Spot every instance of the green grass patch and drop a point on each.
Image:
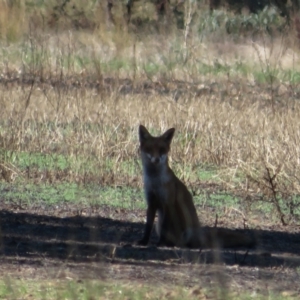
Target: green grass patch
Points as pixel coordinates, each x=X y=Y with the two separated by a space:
x=26 y=191
x=91 y=289
x=31 y=191
x=55 y=194
x=218 y=200
x=79 y=164
x=41 y=161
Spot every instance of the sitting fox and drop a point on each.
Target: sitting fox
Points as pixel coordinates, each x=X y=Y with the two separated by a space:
x=178 y=223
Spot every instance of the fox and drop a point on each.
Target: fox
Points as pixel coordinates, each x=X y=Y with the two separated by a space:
x=168 y=197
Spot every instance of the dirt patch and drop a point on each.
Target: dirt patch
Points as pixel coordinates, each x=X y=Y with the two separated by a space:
x=98 y=243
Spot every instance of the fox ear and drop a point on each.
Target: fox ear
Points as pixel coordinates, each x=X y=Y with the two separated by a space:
x=143 y=133
x=168 y=135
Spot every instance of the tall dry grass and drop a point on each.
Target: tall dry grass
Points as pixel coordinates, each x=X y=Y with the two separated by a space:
x=13 y=20
x=82 y=94
x=254 y=146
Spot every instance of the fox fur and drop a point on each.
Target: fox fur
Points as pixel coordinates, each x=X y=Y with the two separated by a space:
x=178 y=224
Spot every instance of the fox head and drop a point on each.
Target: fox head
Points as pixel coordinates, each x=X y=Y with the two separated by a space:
x=154 y=150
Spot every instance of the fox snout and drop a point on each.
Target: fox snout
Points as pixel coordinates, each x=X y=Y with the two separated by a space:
x=154 y=159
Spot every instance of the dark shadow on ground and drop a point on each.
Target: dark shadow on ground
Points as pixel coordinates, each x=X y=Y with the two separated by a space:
x=93 y=239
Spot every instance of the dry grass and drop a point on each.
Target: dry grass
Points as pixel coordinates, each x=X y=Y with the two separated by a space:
x=13 y=20
x=249 y=136
x=82 y=95
x=77 y=97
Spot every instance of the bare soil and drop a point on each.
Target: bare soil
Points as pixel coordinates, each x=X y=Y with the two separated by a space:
x=70 y=241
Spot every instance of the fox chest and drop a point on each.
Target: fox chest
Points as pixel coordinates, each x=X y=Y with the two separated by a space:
x=157 y=188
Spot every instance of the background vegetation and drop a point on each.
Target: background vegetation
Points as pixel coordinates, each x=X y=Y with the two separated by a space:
x=75 y=86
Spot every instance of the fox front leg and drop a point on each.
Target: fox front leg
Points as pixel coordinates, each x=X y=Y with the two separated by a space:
x=151 y=210
x=164 y=230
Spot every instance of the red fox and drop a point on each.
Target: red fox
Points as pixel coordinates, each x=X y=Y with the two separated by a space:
x=178 y=223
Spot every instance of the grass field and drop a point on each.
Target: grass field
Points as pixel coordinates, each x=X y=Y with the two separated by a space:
x=73 y=90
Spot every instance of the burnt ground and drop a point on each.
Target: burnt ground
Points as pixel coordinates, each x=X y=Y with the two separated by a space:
x=98 y=243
